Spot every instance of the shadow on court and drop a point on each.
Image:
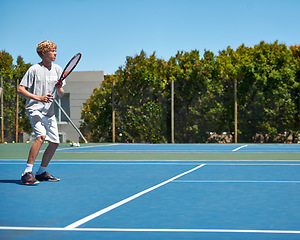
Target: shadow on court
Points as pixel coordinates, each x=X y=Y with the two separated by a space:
x=18 y=182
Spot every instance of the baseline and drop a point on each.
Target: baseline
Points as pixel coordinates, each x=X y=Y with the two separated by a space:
x=150 y=230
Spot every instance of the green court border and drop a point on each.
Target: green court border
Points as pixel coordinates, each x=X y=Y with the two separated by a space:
x=19 y=151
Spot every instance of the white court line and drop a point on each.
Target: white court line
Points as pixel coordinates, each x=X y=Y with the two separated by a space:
x=81 y=147
x=107 y=209
x=254 y=164
x=99 y=163
x=110 y=162
x=234 y=150
x=195 y=161
x=231 y=181
x=150 y=230
x=155 y=162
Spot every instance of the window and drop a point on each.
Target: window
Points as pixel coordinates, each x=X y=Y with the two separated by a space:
x=64 y=102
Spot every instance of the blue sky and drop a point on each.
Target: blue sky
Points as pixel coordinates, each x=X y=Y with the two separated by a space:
x=106 y=31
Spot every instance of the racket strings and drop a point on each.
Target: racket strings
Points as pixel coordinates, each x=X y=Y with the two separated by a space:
x=72 y=64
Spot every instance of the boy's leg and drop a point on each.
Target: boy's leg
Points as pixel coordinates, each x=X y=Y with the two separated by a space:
x=42 y=175
x=35 y=148
x=50 y=126
x=53 y=138
x=48 y=154
x=27 y=176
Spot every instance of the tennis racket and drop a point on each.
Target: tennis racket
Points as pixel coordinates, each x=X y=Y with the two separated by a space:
x=69 y=68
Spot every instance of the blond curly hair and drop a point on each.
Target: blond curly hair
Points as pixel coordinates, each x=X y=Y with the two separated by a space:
x=45 y=46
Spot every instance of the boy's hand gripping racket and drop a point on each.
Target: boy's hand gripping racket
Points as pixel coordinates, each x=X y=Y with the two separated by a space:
x=69 y=68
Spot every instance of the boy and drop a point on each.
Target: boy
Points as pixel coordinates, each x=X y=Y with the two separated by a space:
x=37 y=86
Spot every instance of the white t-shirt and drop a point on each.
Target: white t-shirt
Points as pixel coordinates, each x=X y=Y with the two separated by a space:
x=40 y=81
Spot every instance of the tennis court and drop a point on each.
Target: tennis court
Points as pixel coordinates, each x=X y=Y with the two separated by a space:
x=188 y=148
x=186 y=191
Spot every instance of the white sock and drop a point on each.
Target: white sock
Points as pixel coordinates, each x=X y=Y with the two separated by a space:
x=28 y=168
x=41 y=170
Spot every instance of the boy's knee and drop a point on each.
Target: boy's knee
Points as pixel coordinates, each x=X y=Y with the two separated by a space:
x=41 y=138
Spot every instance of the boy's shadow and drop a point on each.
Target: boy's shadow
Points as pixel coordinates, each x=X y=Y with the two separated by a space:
x=18 y=182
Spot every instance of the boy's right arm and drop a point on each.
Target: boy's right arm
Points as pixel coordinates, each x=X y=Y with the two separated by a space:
x=22 y=91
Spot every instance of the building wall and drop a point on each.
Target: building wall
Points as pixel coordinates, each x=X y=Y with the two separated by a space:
x=80 y=85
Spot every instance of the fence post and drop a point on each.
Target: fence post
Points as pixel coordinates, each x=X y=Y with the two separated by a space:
x=172 y=111
x=2 y=120
x=113 y=112
x=17 y=115
x=235 y=110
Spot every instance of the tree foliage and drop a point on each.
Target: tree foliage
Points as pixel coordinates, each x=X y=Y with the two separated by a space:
x=266 y=77
x=97 y=112
x=10 y=73
x=268 y=96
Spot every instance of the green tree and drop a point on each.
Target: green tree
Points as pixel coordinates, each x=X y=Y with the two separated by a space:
x=296 y=94
x=268 y=96
x=266 y=79
x=20 y=69
x=10 y=73
x=97 y=112
x=138 y=94
x=197 y=94
x=296 y=54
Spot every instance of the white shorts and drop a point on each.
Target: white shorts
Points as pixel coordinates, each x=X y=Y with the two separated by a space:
x=44 y=126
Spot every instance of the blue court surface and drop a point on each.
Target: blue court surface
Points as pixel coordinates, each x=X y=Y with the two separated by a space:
x=125 y=200
x=188 y=148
